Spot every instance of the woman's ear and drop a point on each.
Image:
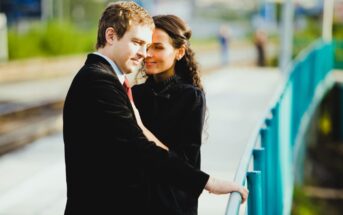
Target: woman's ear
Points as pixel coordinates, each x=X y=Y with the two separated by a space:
x=111 y=35
x=180 y=53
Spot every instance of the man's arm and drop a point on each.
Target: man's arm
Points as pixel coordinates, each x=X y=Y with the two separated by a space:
x=110 y=100
x=150 y=136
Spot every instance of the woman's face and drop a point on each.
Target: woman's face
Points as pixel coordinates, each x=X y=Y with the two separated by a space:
x=161 y=54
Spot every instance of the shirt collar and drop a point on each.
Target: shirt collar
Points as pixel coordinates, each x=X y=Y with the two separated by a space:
x=120 y=75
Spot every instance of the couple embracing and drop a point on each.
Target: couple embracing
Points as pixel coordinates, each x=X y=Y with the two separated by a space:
x=137 y=151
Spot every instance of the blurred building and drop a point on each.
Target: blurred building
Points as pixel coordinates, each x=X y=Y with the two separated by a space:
x=234 y=4
x=182 y=8
x=16 y=10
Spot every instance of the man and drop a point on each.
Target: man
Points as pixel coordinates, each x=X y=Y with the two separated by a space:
x=106 y=152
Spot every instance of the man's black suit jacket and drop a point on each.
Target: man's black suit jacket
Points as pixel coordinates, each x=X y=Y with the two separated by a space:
x=106 y=154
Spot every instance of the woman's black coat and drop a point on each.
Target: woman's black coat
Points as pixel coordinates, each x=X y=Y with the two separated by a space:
x=174 y=111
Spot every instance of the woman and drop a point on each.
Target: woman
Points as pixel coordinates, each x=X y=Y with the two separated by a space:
x=171 y=104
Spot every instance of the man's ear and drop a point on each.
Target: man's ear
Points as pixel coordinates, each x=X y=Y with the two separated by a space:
x=111 y=35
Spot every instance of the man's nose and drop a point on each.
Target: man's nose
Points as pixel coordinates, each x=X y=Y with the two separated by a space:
x=142 y=51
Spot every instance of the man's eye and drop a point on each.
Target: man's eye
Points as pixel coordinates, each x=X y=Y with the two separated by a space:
x=136 y=42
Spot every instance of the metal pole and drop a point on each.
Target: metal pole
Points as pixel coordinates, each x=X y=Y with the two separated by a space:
x=255 y=193
x=60 y=8
x=259 y=165
x=47 y=9
x=327 y=20
x=286 y=35
x=193 y=9
x=3 y=38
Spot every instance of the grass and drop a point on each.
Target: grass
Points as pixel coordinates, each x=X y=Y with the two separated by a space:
x=49 y=39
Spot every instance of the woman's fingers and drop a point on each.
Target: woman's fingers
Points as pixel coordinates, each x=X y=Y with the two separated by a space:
x=244 y=193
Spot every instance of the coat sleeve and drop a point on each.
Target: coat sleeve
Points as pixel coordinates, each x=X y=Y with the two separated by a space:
x=111 y=101
x=192 y=128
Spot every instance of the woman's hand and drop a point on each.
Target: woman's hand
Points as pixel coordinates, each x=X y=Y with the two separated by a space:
x=219 y=187
x=137 y=115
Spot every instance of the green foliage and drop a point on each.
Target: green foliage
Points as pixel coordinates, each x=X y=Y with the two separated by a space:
x=337 y=29
x=223 y=12
x=303 y=205
x=49 y=39
x=203 y=42
x=25 y=45
x=306 y=36
x=339 y=54
x=338 y=35
x=312 y=32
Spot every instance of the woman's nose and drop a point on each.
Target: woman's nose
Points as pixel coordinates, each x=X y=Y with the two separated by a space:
x=148 y=53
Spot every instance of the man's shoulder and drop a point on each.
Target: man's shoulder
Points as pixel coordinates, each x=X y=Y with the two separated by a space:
x=96 y=71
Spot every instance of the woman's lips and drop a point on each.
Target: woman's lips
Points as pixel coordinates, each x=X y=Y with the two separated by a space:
x=149 y=63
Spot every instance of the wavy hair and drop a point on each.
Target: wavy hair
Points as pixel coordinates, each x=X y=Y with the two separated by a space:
x=187 y=67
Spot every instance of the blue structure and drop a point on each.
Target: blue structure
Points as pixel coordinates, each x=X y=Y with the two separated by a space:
x=20 y=9
x=276 y=148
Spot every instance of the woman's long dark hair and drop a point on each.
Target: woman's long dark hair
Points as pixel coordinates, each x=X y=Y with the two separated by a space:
x=187 y=68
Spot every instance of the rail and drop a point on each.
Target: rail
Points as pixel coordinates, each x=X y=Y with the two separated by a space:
x=275 y=151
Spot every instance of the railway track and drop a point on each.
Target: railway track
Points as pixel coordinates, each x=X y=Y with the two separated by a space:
x=20 y=124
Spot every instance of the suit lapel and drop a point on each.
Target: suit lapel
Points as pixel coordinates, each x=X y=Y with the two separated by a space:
x=98 y=60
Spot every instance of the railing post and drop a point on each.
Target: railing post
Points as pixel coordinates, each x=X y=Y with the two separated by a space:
x=266 y=143
x=255 y=193
x=259 y=165
x=277 y=161
x=270 y=141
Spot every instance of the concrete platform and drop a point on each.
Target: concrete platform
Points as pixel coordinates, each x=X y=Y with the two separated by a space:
x=237 y=99
x=32 y=179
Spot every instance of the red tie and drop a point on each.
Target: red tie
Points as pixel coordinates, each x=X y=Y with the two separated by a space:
x=128 y=89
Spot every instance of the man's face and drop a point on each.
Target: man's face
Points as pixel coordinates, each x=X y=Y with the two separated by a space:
x=130 y=51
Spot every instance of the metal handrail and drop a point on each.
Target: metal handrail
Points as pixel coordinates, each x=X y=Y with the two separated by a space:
x=303 y=58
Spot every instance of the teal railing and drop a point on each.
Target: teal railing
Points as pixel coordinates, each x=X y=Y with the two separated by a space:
x=274 y=155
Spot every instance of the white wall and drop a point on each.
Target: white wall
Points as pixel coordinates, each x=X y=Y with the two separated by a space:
x=3 y=38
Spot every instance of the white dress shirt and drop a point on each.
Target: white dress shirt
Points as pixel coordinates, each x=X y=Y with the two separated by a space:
x=120 y=74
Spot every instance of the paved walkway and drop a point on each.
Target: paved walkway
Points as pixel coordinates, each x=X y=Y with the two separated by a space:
x=237 y=99
x=32 y=180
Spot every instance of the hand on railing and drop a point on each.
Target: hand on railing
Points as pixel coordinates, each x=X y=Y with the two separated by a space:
x=218 y=187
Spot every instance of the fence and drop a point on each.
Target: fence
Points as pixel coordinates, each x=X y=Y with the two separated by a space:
x=274 y=155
